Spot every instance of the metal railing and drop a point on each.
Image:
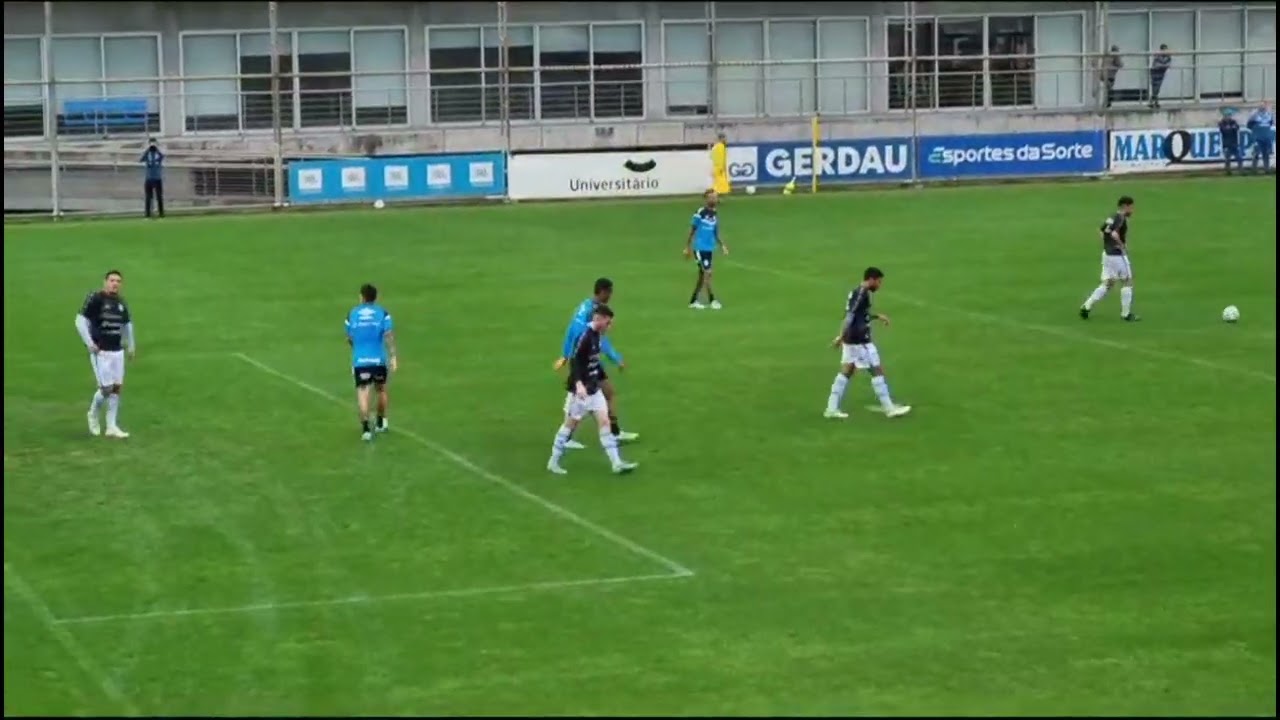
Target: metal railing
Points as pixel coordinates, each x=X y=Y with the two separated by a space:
x=728 y=90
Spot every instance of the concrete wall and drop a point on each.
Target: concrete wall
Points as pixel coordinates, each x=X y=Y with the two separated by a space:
x=171 y=18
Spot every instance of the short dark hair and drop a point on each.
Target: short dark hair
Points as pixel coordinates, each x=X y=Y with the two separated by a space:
x=117 y=273
x=603 y=284
x=1124 y=201
x=604 y=310
x=872 y=273
x=368 y=292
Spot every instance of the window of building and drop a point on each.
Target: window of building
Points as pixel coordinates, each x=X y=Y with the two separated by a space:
x=960 y=47
x=739 y=71
x=843 y=82
x=1260 y=63
x=521 y=93
x=344 y=78
x=23 y=88
x=457 y=82
x=617 y=51
x=912 y=64
x=381 y=94
x=791 y=78
x=1220 y=60
x=1177 y=29
x=686 y=75
x=1060 y=71
x=554 y=71
x=564 y=56
x=113 y=70
x=1011 y=43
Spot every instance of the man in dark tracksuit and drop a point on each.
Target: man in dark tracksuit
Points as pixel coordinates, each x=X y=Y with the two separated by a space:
x=153 y=188
x=1230 y=130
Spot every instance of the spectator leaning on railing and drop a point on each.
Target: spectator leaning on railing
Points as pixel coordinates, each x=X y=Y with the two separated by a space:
x=153 y=187
x=1159 y=66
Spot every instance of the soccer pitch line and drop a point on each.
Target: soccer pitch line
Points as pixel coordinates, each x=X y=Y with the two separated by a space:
x=1043 y=329
x=67 y=640
x=363 y=599
x=673 y=567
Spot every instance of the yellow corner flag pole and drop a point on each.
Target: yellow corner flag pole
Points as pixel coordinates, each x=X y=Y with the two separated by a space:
x=817 y=138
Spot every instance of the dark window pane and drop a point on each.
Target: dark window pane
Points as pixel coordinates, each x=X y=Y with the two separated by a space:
x=324 y=100
x=457 y=93
x=900 y=65
x=520 y=78
x=565 y=93
x=23 y=120
x=1012 y=75
x=959 y=50
x=255 y=93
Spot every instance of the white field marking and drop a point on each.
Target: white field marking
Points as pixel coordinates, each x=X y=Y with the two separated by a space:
x=674 y=567
x=1043 y=329
x=68 y=641
x=365 y=599
x=144 y=356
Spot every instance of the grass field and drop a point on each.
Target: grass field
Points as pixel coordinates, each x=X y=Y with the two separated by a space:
x=1077 y=518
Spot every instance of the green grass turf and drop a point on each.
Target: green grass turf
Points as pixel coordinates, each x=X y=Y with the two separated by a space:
x=1078 y=517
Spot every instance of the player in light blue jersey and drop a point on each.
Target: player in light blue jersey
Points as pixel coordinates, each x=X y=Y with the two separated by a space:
x=704 y=238
x=602 y=292
x=373 y=354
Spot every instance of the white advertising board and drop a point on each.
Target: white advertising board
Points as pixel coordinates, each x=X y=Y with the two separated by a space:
x=609 y=174
x=1170 y=150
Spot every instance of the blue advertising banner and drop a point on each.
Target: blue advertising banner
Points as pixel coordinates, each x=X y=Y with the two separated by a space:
x=1012 y=155
x=875 y=160
x=421 y=177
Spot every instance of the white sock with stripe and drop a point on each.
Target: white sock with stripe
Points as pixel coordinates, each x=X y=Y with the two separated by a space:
x=557 y=446
x=610 y=443
x=837 y=391
x=881 y=386
x=1099 y=293
x=1126 y=300
x=96 y=404
x=113 y=409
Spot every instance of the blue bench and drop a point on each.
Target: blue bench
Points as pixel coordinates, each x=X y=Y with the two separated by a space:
x=105 y=113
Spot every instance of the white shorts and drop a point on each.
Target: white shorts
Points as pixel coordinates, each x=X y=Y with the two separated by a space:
x=1116 y=267
x=860 y=356
x=108 y=367
x=577 y=408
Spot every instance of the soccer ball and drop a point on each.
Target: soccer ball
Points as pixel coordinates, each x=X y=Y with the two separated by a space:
x=1231 y=313
x=378 y=204
x=751 y=189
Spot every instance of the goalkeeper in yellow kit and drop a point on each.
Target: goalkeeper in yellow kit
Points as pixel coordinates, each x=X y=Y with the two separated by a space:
x=719 y=167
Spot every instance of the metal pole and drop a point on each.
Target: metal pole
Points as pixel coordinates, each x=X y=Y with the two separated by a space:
x=1096 y=62
x=51 y=111
x=713 y=57
x=504 y=78
x=910 y=11
x=277 y=165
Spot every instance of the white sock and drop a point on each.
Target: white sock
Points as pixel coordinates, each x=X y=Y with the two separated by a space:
x=837 y=391
x=96 y=404
x=1126 y=300
x=881 y=386
x=113 y=409
x=1098 y=293
x=610 y=443
x=557 y=447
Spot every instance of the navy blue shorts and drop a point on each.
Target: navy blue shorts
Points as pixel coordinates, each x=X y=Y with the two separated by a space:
x=370 y=375
x=703 y=258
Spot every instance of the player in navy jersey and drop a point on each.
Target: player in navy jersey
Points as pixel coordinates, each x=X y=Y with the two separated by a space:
x=858 y=352
x=704 y=238
x=585 y=396
x=601 y=293
x=106 y=329
x=1115 y=262
x=373 y=354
